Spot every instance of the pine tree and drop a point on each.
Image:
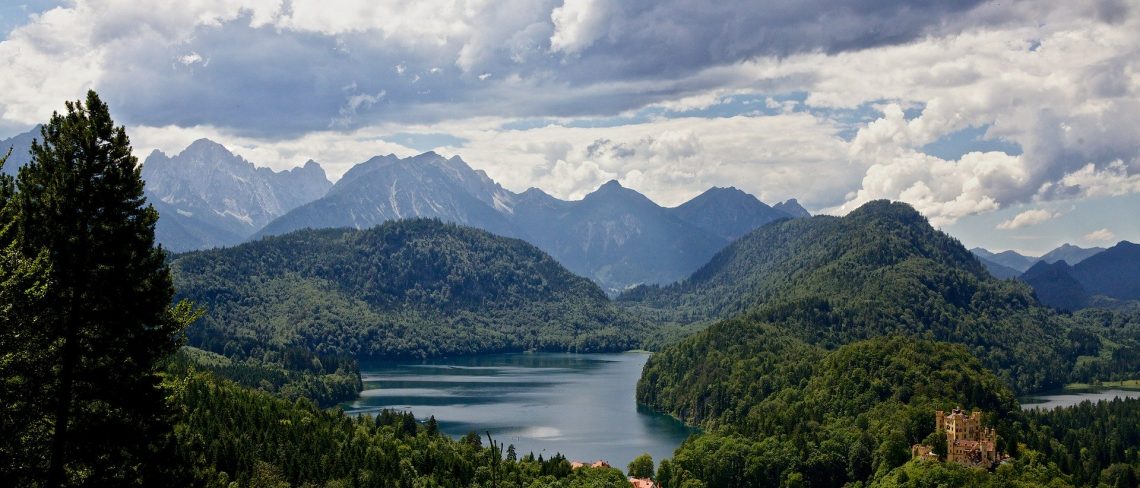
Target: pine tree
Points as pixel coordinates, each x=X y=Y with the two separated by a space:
x=23 y=349
x=104 y=311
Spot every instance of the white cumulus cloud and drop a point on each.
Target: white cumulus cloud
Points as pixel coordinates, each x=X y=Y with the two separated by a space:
x=1027 y=218
x=1100 y=236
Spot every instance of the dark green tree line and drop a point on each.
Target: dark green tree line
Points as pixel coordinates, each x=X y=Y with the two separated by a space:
x=87 y=310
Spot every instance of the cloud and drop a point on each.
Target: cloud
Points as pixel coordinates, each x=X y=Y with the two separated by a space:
x=192 y=58
x=1071 y=129
x=577 y=24
x=1100 y=236
x=598 y=57
x=670 y=160
x=1113 y=179
x=846 y=102
x=1027 y=218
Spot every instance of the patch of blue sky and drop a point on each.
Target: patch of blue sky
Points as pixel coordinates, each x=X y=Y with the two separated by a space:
x=849 y=120
x=15 y=13
x=730 y=106
x=584 y=123
x=956 y=144
x=1074 y=219
x=425 y=142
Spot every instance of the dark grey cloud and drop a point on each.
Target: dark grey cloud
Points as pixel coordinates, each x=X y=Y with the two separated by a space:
x=275 y=81
x=650 y=38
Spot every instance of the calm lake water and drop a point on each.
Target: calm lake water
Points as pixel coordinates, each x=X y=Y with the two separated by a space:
x=581 y=405
x=1069 y=399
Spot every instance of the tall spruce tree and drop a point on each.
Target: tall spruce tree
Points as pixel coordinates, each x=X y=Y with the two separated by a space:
x=78 y=224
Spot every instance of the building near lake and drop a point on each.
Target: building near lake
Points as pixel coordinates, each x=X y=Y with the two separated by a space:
x=642 y=483
x=968 y=442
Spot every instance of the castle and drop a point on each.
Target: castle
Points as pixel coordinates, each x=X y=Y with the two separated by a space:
x=967 y=442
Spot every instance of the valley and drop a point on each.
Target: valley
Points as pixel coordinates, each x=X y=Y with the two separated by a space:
x=415 y=321
x=579 y=405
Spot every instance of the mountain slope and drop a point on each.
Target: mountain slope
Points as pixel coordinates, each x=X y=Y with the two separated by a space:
x=208 y=197
x=880 y=270
x=20 y=145
x=616 y=236
x=1055 y=285
x=727 y=212
x=998 y=271
x=1070 y=254
x=387 y=188
x=1009 y=259
x=792 y=207
x=1103 y=279
x=1115 y=272
x=412 y=288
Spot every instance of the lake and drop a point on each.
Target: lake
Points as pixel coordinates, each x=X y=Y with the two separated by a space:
x=581 y=405
x=1069 y=399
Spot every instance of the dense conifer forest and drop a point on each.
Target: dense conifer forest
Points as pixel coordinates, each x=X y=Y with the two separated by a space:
x=883 y=270
x=848 y=333
x=297 y=310
x=229 y=434
x=832 y=342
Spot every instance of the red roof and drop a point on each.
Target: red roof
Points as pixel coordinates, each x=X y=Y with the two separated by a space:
x=642 y=483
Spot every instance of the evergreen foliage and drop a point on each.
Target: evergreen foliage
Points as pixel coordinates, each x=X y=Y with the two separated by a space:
x=405 y=289
x=849 y=333
x=87 y=311
x=641 y=466
x=792 y=410
x=1096 y=443
x=229 y=434
x=880 y=270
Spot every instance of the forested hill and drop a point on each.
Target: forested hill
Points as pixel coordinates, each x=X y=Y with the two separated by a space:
x=880 y=270
x=794 y=257
x=851 y=331
x=414 y=288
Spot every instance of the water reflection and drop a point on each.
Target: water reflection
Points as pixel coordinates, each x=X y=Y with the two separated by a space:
x=1068 y=399
x=581 y=405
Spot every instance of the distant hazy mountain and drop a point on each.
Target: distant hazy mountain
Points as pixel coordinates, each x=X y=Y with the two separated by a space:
x=1009 y=259
x=388 y=188
x=207 y=196
x=793 y=208
x=999 y=264
x=997 y=270
x=20 y=144
x=1055 y=285
x=730 y=213
x=615 y=236
x=618 y=237
x=1113 y=273
x=1070 y=254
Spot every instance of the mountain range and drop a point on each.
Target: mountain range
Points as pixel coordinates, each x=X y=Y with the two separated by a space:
x=209 y=197
x=1010 y=264
x=881 y=270
x=614 y=235
x=20 y=145
x=1105 y=278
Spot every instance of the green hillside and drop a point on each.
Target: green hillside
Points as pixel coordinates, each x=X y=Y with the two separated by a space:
x=881 y=270
x=845 y=335
x=316 y=300
x=227 y=436
x=790 y=414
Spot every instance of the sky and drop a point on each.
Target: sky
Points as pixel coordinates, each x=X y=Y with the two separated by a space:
x=1009 y=124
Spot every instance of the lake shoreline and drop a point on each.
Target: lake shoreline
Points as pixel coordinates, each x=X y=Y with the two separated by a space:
x=581 y=405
